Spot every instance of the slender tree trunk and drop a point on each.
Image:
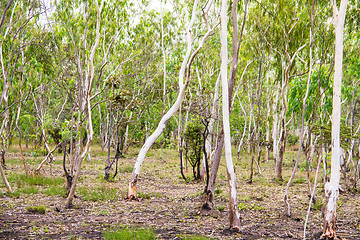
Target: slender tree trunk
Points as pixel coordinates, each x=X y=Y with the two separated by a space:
x=244 y=130
x=7 y=185
x=209 y=200
x=107 y=168
x=275 y=128
x=332 y=187
x=4 y=13
x=234 y=215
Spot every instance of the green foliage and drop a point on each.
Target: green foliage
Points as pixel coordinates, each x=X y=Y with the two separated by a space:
x=36 y=209
x=129 y=234
x=346 y=134
x=317 y=205
x=193 y=143
x=292 y=139
x=221 y=208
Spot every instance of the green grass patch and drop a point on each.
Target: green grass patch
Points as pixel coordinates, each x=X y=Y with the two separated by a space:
x=245 y=206
x=21 y=179
x=149 y=195
x=299 y=180
x=129 y=234
x=55 y=190
x=36 y=209
x=101 y=193
x=26 y=190
x=125 y=169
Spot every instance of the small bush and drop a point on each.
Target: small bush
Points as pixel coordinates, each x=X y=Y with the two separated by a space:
x=37 y=209
x=292 y=139
x=129 y=234
x=218 y=191
x=317 y=205
x=221 y=208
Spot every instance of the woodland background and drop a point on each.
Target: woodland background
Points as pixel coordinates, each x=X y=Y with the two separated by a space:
x=85 y=83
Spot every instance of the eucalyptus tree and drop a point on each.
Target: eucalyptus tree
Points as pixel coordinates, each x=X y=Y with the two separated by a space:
x=79 y=29
x=19 y=31
x=233 y=207
x=185 y=71
x=332 y=187
x=288 y=25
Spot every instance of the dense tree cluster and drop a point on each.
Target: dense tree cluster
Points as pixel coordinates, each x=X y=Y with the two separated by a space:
x=124 y=73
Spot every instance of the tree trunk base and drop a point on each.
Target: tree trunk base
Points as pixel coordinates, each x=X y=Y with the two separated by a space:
x=209 y=201
x=132 y=195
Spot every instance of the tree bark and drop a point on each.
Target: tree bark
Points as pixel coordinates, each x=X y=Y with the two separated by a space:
x=332 y=187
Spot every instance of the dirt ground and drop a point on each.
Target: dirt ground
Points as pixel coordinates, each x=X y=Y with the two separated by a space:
x=167 y=203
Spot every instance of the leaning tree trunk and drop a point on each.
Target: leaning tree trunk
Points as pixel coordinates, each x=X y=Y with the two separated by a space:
x=186 y=65
x=332 y=187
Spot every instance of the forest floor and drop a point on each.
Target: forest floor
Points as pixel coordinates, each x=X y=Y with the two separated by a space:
x=167 y=204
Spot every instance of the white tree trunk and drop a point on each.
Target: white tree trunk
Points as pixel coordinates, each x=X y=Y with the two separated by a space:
x=275 y=129
x=332 y=187
x=234 y=215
